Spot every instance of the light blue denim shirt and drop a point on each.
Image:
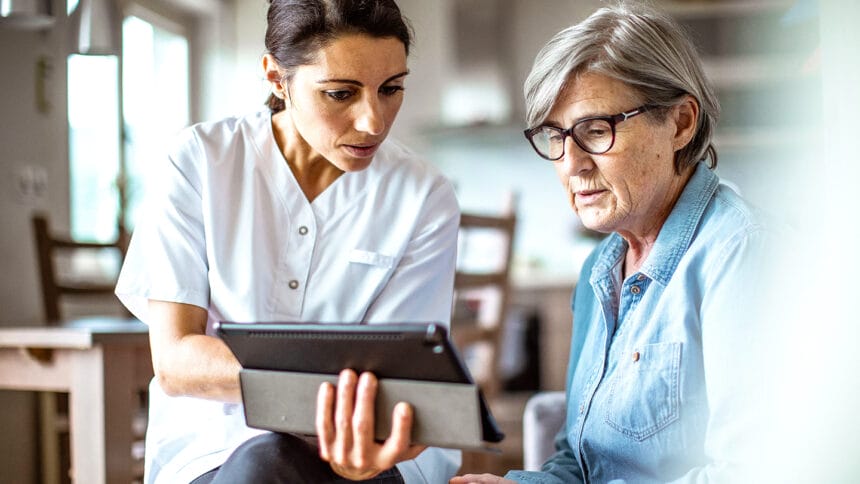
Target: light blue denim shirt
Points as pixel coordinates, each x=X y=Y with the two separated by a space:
x=659 y=362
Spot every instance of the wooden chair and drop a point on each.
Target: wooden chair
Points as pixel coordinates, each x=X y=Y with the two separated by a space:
x=57 y=257
x=50 y=248
x=481 y=292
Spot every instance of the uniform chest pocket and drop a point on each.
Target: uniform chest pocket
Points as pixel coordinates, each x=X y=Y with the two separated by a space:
x=368 y=258
x=644 y=395
x=368 y=272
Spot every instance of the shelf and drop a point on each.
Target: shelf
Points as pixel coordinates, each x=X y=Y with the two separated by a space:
x=27 y=22
x=739 y=71
x=722 y=8
x=744 y=139
x=501 y=136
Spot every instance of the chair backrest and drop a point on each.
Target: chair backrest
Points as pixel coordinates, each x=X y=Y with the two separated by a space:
x=481 y=292
x=57 y=284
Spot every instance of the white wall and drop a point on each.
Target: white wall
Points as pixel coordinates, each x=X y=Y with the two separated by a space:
x=429 y=66
x=29 y=139
x=819 y=397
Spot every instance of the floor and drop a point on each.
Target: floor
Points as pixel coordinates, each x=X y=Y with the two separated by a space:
x=507 y=408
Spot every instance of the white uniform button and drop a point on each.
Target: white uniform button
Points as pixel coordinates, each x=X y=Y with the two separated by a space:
x=294 y=284
x=303 y=230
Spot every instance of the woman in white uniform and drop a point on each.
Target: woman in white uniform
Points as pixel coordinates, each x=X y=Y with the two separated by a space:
x=303 y=212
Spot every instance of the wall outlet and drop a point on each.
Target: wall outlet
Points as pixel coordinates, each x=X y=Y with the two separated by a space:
x=30 y=184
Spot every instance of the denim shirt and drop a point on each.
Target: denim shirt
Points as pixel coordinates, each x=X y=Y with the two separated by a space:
x=658 y=361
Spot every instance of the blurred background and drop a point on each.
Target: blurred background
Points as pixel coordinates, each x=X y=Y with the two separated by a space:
x=82 y=122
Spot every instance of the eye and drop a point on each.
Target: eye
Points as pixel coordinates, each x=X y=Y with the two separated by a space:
x=594 y=129
x=391 y=90
x=338 y=94
x=557 y=137
x=552 y=135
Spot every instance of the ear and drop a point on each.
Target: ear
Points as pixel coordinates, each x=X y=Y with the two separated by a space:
x=273 y=75
x=685 y=116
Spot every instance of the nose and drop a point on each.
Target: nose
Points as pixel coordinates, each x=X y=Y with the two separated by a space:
x=575 y=161
x=369 y=118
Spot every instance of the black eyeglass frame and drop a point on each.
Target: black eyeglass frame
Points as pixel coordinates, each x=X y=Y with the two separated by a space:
x=612 y=120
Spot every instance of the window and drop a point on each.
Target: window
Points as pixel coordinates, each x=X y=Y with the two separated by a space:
x=155 y=71
x=155 y=100
x=93 y=146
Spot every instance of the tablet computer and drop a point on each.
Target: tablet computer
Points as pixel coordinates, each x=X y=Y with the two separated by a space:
x=407 y=351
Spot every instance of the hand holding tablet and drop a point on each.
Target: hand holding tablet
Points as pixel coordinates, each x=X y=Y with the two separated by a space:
x=285 y=363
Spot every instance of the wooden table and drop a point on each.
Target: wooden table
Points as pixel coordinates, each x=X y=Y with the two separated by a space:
x=101 y=363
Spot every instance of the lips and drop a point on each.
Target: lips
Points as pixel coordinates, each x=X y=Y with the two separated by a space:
x=586 y=193
x=362 y=150
x=588 y=196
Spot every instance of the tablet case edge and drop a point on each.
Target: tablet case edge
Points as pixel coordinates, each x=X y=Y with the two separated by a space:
x=444 y=412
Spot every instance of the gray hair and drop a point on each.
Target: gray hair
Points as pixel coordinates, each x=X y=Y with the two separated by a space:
x=640 y=47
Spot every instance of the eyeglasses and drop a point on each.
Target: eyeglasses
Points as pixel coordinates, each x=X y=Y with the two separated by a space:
x=594 y=135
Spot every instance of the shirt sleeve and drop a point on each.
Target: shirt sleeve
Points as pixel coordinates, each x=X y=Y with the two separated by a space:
x=734 y=326
x=560 y=468
x=421 y=288
x=166 y=259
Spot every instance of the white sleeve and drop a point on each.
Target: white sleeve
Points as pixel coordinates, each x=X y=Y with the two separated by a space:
x=166 y=259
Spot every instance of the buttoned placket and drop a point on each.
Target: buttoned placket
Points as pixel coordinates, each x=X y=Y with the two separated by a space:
x=294 y=266
x=605 y=292
x=302 y=231
x=631 y=293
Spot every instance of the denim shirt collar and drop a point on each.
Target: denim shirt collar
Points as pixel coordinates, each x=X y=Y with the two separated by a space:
x=675 y=235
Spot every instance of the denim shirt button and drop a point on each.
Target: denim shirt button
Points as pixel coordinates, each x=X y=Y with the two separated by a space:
x=635 y=356
x=635 y=290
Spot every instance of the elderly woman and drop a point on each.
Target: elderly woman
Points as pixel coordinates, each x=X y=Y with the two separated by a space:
x=621 y=106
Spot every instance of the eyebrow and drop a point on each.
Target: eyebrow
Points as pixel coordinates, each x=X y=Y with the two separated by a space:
x=357 y=83
x=553 y=124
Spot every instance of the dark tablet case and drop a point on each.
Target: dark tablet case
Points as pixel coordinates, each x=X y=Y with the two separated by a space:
x=408 y=351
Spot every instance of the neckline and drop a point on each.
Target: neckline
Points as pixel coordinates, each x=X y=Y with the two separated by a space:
x=281 y=160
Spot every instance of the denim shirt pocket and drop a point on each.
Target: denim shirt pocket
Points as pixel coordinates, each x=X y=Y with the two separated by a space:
x=644 y=395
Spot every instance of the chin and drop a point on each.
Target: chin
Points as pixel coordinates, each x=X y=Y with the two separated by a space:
x=594 y=224
x=352 y=165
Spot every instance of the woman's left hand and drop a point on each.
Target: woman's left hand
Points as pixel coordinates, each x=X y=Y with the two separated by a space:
x=345 y=426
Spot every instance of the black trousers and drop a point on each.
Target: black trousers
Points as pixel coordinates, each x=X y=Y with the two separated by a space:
x=281 y=458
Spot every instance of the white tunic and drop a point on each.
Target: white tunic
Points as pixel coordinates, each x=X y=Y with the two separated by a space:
x=230 y=230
